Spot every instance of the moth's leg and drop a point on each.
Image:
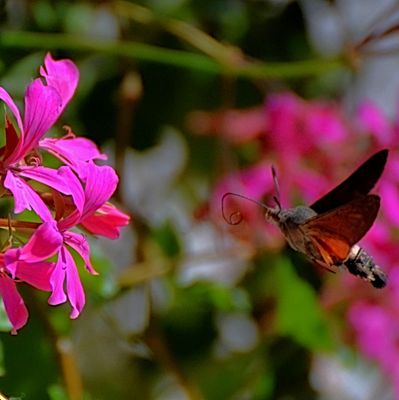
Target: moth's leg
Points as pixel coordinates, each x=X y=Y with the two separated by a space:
x=324 y=265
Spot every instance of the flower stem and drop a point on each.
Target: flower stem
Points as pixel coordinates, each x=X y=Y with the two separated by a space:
x=251 y=69
x=6 y=223
x=155 y=341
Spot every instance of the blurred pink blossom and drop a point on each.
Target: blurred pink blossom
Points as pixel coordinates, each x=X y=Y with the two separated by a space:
x=236 y=126
x=314 y=145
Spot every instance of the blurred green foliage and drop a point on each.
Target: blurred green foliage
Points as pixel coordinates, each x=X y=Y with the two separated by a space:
x=307 y=325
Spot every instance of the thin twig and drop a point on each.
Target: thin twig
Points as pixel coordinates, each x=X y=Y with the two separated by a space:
x=251 y=69
x=156 y=343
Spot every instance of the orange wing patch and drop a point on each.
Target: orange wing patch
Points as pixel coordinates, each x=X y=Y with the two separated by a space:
x=333 y=250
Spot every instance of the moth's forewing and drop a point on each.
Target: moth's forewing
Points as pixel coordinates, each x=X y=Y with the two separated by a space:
x=335 y=232
x=356 y=185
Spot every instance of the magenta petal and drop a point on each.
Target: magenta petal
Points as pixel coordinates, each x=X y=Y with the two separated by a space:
x=373 y=121
x=36 y=274
x=13 y=303
x=390 y=195
x=4 y=96
x=63 y=75
x=66 y=268
x=43 y=106
x=76 y=295
x=73 y=151
x=101 y=183
x=47 y=176
x=75 y=187
x=101 y=225
x=79 y=243
x=25 y=198
x=70 y=148
x=62 y=180
x=44 y=243
x=106 y=221
x=11 y=151
x=57 y=279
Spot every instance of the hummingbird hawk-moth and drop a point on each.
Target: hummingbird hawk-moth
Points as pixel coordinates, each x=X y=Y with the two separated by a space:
x=327 y=232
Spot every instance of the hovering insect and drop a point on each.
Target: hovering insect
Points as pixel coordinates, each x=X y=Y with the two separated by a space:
x=327 y=232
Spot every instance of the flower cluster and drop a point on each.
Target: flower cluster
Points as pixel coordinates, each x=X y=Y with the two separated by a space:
x=49 y=202
x=314 y=146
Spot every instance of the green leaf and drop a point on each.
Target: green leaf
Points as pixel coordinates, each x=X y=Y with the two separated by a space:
x=5 y=325
x=229 y=299
x=299 y=314
x=166 y=237
x=57 y=392
x=2 y=367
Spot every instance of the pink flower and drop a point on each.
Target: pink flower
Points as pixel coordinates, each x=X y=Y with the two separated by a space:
x=100 y=184
x=14 y=305
x=56 y=238
x=44 y=102
x=28 y=265
x=323 y=121
x=106 y=221
x=237 y=126
x=372 y=121
x=73 y=151
x=377 y=335
x=79 y=195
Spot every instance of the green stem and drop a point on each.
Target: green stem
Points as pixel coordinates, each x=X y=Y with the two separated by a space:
x=177 y=58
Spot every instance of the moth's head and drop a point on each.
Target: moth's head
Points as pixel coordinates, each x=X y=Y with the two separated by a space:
x=274 y=214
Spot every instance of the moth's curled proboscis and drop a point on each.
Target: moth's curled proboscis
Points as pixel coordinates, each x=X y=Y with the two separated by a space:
x=234 y=218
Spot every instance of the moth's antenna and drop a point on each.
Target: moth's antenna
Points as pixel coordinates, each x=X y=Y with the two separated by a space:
x=237 y=214
x=276 y=188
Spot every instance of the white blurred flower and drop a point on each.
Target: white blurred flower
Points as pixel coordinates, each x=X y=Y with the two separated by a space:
x=167 y=388
x=335 y=378
x=333 y=26
x=237 y=333
x=213 y=256
x=151 y=191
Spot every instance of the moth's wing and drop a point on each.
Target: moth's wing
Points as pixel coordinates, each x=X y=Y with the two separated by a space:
x=356 y=185
x=335 y=232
